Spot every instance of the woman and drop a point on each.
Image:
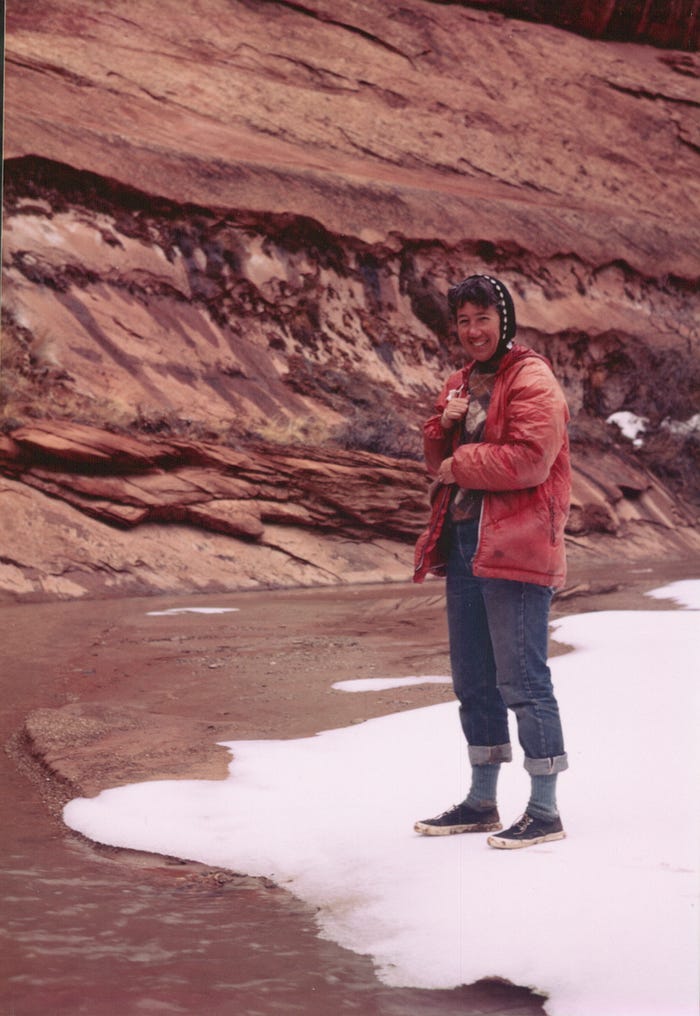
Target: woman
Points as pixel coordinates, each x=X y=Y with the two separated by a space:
x=498 y=447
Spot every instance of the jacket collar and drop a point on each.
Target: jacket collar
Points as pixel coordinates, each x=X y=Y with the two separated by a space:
x=513 y=355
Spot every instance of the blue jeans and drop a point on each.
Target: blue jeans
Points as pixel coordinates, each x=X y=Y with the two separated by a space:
x=498 y=649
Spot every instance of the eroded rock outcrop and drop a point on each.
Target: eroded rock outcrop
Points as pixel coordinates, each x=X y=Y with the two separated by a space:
x=124 y=481
x=226 y=244
x=274 y=506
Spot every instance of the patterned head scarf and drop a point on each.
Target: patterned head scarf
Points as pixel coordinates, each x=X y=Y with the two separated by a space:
x=485 y=291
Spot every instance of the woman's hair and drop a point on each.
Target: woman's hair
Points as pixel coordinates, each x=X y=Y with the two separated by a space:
x=485 y=291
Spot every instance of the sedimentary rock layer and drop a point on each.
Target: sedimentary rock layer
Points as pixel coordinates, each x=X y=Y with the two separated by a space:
x=335 y=516
x=228 y=233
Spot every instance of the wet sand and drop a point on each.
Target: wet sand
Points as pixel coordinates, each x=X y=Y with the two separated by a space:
x=114 y=695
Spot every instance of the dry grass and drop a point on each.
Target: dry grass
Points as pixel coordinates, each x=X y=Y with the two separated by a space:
x=301 y=430
x=381 y=431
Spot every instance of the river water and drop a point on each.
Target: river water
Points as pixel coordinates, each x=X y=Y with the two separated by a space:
x=92 y=931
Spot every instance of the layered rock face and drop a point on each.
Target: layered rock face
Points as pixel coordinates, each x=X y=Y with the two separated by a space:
x=228 y=233
x=661 y=22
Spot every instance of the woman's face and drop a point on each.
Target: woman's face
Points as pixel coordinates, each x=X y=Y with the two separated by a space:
x=478 y=329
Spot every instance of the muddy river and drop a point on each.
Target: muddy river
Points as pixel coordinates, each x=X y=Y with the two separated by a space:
x=102 y=932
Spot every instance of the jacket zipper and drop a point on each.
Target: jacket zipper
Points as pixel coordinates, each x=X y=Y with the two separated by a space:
x=478 y=531
x=432 y=529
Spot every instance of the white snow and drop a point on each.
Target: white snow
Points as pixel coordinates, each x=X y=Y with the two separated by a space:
x=191 y=610
x=631 y=425
x=604 y=922
x=387 y=683
x=683 y=427
x=686 y=593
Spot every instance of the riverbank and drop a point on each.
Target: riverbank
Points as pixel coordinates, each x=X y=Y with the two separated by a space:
x=103 y=693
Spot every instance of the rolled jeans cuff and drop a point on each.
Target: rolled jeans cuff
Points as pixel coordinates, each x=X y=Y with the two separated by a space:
x=546 y=766
x=490 y=754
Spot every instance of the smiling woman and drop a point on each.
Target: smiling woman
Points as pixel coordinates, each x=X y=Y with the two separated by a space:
x=499 y=450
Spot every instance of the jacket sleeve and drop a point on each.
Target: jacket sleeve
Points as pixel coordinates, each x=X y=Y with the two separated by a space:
x=520 y=448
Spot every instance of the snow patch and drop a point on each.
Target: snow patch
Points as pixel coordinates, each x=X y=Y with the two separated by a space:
x=386 y=683
x=686 y=593
x=604 y=921
x=631 y=425
x=192 y=610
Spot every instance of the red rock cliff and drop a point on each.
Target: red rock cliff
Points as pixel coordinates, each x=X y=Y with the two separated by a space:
x=228 y=233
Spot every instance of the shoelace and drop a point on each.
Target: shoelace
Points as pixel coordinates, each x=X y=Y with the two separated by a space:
x=523 y=822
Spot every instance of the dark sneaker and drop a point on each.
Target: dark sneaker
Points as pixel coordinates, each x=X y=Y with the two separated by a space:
x=460 y=819
x=527 y=831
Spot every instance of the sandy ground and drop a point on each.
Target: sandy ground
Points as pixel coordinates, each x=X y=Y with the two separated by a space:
x=102 y=693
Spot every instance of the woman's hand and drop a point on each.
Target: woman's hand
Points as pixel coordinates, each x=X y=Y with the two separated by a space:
x=444 y=473
x=455 y=410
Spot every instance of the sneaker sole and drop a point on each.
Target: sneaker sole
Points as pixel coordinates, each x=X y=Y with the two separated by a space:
x=479 y=827
x=501 y=843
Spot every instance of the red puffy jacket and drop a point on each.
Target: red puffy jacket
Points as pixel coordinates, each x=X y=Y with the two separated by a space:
x=521 y=463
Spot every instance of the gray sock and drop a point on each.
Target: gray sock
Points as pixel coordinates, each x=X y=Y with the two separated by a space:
x=482 y=793
x=543 y=796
